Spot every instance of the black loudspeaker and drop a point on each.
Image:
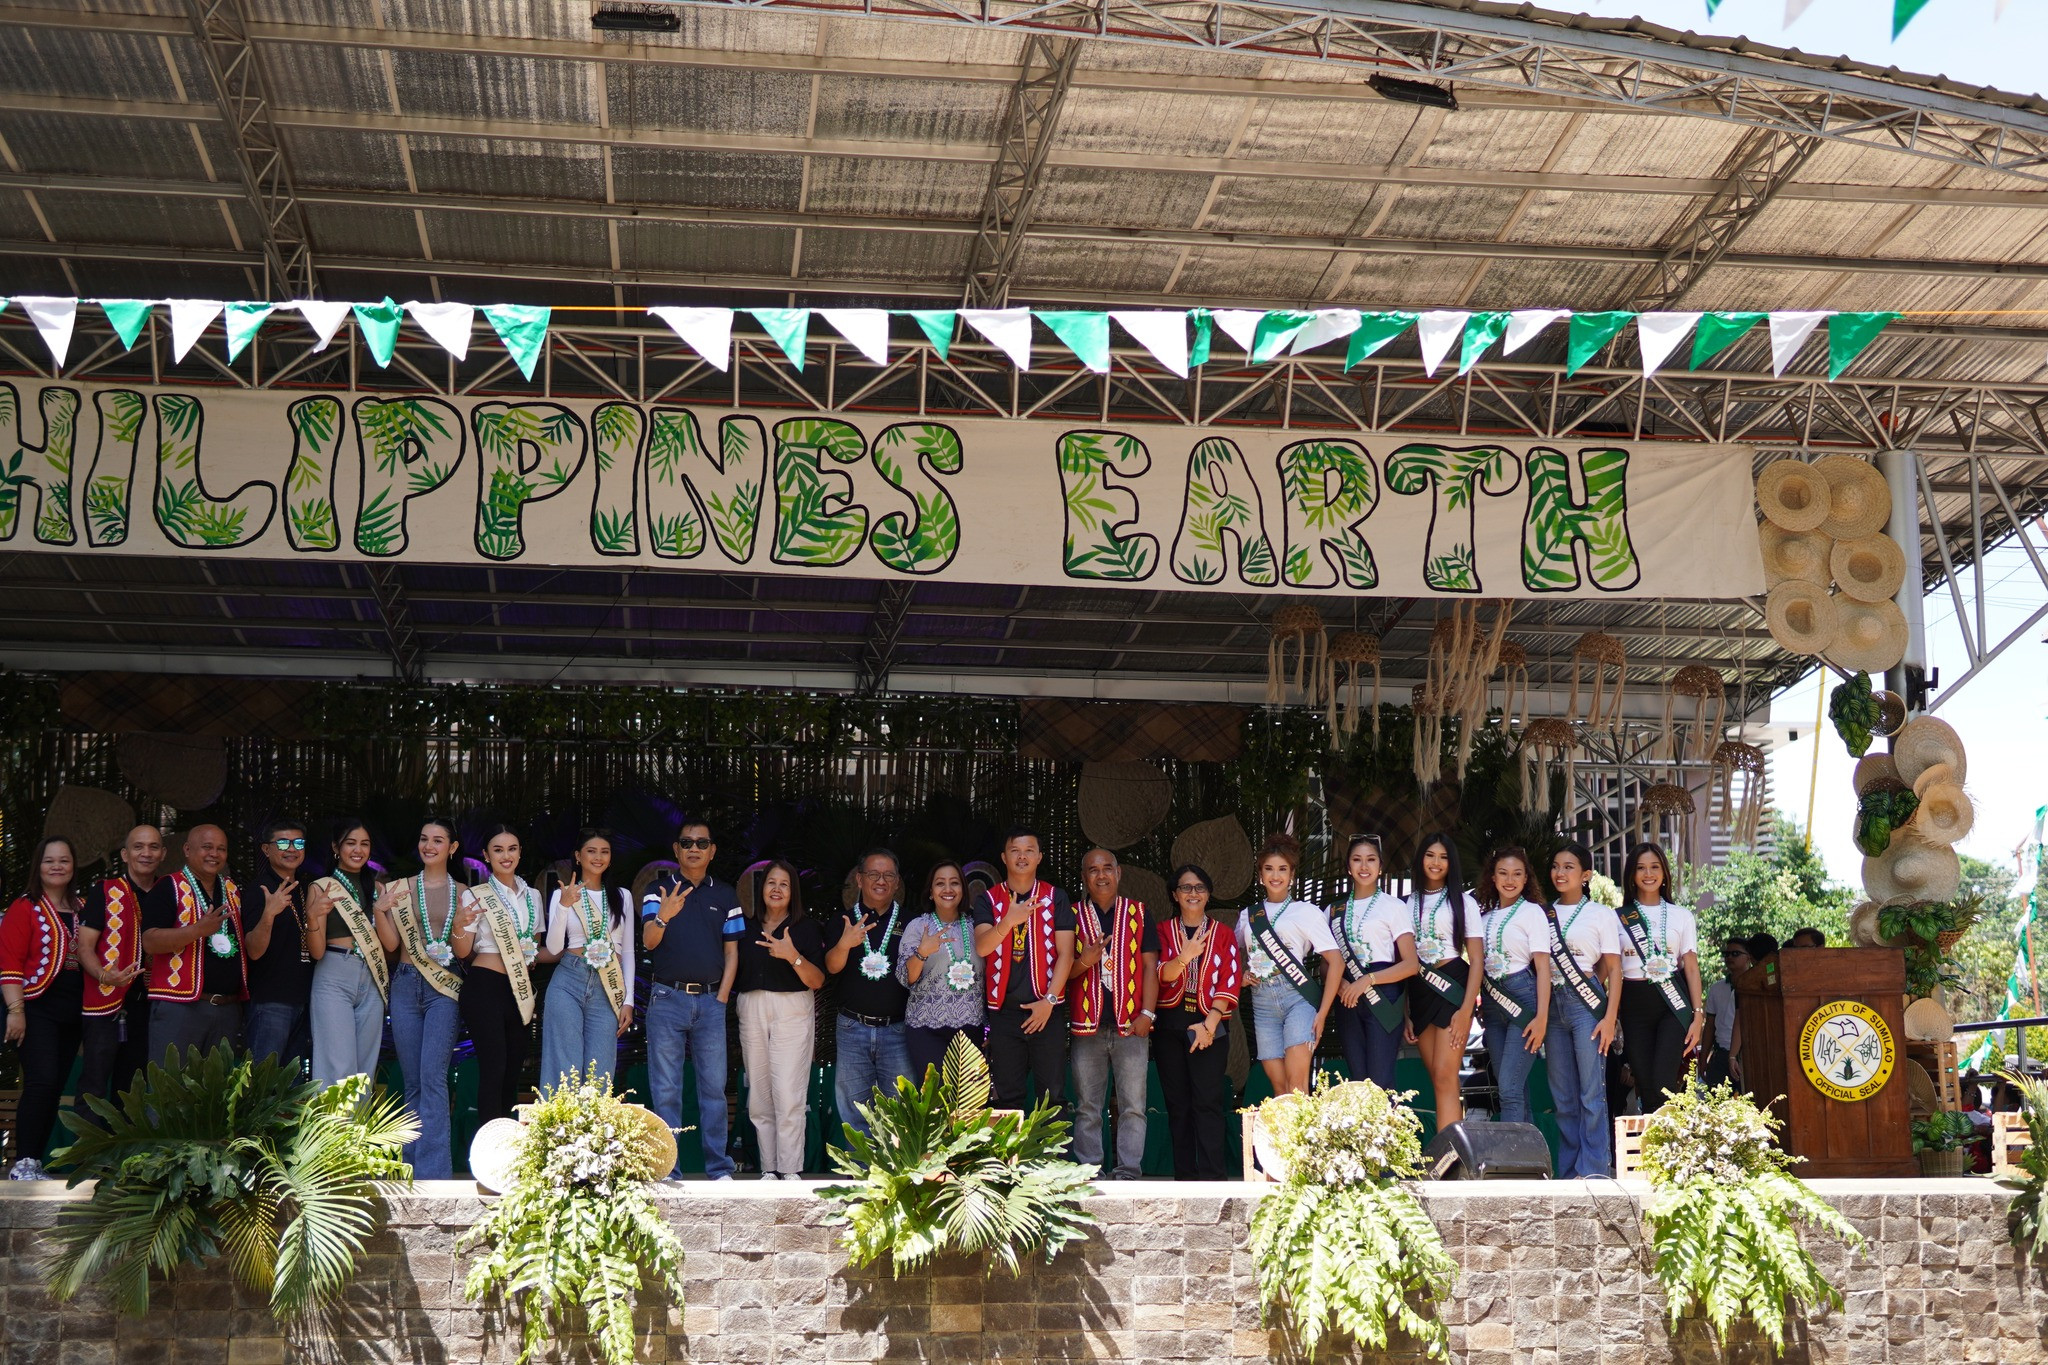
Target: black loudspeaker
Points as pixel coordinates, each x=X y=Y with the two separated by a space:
x=1488 y=1151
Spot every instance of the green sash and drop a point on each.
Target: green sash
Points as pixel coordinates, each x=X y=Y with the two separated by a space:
x=1638 y=930
x=1290 y=966
x=1388 y=1009
x=1589 y=991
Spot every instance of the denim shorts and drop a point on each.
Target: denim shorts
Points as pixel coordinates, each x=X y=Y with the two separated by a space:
x=1281 y=1019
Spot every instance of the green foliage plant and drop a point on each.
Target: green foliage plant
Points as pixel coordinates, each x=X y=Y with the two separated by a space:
x=1342 y=1243
x=1853 y=708
x=1725 y=1214
x=938 y=1172
x=216 y=1154
x=2028 y=1214
x=574 y=1235
x=1918 y=929
x=1942 y=1132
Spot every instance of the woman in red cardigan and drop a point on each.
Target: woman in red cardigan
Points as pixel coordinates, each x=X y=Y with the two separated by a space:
x=44 y=987
x=1199 y=977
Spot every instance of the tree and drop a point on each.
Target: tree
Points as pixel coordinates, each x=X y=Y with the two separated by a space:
x=1777 y=895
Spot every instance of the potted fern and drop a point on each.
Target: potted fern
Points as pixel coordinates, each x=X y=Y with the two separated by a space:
x=1342 y=1242
x=938 y=1171
x=1938 y=1142
x=1725 y=1214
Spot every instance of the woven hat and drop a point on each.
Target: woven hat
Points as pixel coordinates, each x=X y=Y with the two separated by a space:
x=1148 y=888
x=1927 y=1022
x=1869 y=636
x=1859 y=500
x=1792 y=494
x=1793 y=555
x=1121 y=803
x=94 y=821
x=1921 y=1095
x=1877 y=770
x=1863 y=930
x=185 y=771
x=1913 y=868
x=1870 y=569
x=1220 y=848
x=1801 y=617
x=1945 y=813
x=653 y=1148
x=494 y=1151
x=1924 y=742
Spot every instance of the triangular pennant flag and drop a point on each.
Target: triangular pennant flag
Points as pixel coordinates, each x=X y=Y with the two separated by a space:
x=1712 y=5
x=1329 y=324
x=1241 y=325
x=189 y=320
x=128 y=316
x=1374 y=331
x=708 y=331
x=1795 y=8
x=1203 y=322
x=1902 y=15
x=788 y=328
x=244 y=320
x=1719 y=331
x=1085 y=334
x=379 y=324
x=1436 y=331
x=1480 y=332
x=1525 y=323
x=938 y=326
x=54 y=319
x=1591 y=331
x=323 y=317
x=1789 y=332
x=1660 y=334
x=524 y=330
x=1274 y=331
x=1164 y=335
x=866 y=328
x=449 y=324
x=1007 y=329
x=1849 y=333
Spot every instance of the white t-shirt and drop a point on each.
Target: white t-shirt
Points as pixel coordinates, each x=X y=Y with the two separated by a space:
x=1721 y=1009
x=1434 y=918
x=521 y=902
x=1670 y=928
x=1301 y=927
x=565 y=929
x=1374 y=926
x=1518 y=933
x=1591 y=930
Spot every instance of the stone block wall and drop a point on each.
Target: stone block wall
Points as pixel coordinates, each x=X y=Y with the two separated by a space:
x=1549 y=1273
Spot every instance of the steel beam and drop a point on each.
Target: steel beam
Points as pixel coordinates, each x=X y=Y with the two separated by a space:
x=1031 y=119
x=1766 y=160
x=408 y=653
x=884 y=629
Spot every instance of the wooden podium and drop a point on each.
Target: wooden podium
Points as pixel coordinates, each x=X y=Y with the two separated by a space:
x=1825 y=1028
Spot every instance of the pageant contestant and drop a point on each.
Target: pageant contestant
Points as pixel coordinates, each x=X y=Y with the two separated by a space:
x=782 y=965
x=1517 y=988
x=1279 y=937
x=280 y=959
x=110 y=950
x=866 y=941
x=691 y=925
x=1376 y=934
x=1452 y=953
x=498 y=937
x=44 y=988
x=1199 y=972
x=1024 y=932
x=590 y=997
x=1661 y=1024
x=1585 y=975
x=351 y=946
x=421 y=912
x=192 y=931
x=936 y=962
x=1111 y=1007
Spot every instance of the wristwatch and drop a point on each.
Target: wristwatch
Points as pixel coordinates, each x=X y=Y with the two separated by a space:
x=1150 y=1015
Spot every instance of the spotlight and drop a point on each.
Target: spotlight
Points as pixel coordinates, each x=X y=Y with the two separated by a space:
x=1413 y=92
x=636 y=21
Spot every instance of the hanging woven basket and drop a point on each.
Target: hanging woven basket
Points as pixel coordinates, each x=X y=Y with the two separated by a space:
x=1121 y=803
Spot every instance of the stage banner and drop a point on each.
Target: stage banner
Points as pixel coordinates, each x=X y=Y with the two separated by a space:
x=280 y=475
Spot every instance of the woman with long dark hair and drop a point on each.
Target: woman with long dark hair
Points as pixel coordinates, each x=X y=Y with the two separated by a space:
x=1281 y=939
x=1452 y=953
x=1517 y=969
x=781 y=968
x=44 y=987
x=351 y=945
x=1199 y=975
x=935 y=958
x=1377 y=940
x=590 y=997
x=498 y=937
x=1585 y=975
x=419 y=913
x=1661 y=1021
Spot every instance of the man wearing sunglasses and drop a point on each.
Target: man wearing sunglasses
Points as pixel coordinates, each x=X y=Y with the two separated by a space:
x=691 y=925
x=277 y=1022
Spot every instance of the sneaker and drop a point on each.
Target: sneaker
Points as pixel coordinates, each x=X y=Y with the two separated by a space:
x=770 y=1175
x=28 y=1168
x=726 y=1176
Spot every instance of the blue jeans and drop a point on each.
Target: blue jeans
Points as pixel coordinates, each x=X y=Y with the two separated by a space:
x=348 y=1018
x=1512 y=1063
x=423 y=1027
x=274 y=1028
x=579 y=1029
x=688 y=1027
x=870 y=1059
x=1578 y=1082
x=1281 y=1018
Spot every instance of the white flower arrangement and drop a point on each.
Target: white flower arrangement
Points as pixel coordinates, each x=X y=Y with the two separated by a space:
x=1346 y=1134
x=1602 y=888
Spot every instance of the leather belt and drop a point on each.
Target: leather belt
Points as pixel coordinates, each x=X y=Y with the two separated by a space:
x=218 y=1000
x=871 y=1020
x=688 y=987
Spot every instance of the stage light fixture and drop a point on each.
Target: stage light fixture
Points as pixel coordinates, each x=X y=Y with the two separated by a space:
x=636 y=20
x=1413 y=92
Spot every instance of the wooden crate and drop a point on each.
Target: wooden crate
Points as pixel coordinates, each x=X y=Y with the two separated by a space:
x=1940 y=1060
x=2009 y=1137
x=1628 y=1145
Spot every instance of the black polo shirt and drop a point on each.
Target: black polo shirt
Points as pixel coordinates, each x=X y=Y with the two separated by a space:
x=692 y=946
x=887 y=997
x=1020 y=991
x=284 y=974
x=761 y=970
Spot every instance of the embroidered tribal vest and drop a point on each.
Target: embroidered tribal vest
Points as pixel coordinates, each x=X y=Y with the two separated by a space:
x=1221 y=973
x=1119 y=974
x=120 y=945
x=1041 y=948
x=176 y=976
x=40 y=941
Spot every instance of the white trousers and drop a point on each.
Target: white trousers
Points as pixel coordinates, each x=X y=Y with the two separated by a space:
x=778 y=1034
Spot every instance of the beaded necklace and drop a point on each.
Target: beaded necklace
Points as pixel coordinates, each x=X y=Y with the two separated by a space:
x=960 y=973
x=222 y=943
x=437 y=944
x=1496 y=935
x=874 y=963
x=1429 y=944
x=597 y=941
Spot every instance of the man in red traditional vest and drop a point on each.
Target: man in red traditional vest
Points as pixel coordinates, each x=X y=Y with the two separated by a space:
x=192 y=931
x=110 y=941
x=1024 y=931
x=1110 y=1008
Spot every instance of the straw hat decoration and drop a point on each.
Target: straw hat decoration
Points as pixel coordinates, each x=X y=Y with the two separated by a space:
x=1871 y=569
x=1859 y=500
x=1121 y=803
x=1877 y=770
x=93 y=821
x=1220 y=848
x=1794 y=555
x=1792 y=494
x=1801 y=617
x=185 y=771
x=1870 y=637
x=1302 y=627
x=1702 y=686
x=1599 y=651
x=1924 y=742
x=1147 y=888
x=1863 y=927
x=494 y=1151
x=1927 y=1022
x=1352 y=655
x=1913 y=869
x=1945 y=814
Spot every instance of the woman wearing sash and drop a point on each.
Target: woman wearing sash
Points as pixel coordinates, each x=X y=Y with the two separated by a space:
x=1279 y=937
x=1452 y=954
x=1377 y=940
x=1661 y=1023
x=1199 y=975
x=350 y=946
x=1585 y=977
x=498 y=938
x=1517 y=986
x=422 y=912
x=590 y=997
x=935 y=958
x=44 y=987
x=780 y=971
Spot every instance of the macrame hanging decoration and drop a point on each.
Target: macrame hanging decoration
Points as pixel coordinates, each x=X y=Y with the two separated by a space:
x=1739 y=768
x=1592 y=657
x=1301 y=626
x=1703 y=688
x=1352 y=654
x=1546 y=745
x=1514 y=686
x=1463 y=654
x=1666 y=801
x=1428 y=757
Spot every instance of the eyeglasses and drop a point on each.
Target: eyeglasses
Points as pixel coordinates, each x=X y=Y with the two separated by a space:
x=288 y=845
x=1189 y=888
x=693 y=843
x=879 y=876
